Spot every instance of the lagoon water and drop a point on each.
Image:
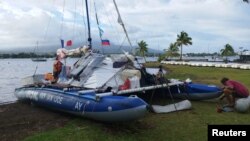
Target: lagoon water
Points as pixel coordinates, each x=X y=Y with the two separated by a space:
x=13 y=70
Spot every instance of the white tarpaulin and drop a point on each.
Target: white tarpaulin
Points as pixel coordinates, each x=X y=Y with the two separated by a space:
x=102 y=74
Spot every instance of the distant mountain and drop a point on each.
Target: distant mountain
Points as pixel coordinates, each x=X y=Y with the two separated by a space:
x=52 y=49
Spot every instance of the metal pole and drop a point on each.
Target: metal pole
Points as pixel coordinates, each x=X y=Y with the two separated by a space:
x=89 y=33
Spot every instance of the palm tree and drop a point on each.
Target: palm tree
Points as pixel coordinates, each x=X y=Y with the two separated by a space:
x=183 y=39
x=142 y=49
x=227 y=51
x=246 y=1
x=172 y=50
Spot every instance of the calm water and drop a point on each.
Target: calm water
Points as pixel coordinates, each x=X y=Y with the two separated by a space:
x=13 y=70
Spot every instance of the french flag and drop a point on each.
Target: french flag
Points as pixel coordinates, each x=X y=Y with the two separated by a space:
x=105 y=43
x=68 y=43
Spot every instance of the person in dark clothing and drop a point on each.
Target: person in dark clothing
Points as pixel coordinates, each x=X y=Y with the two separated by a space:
x=160 y=76
x=146 y=78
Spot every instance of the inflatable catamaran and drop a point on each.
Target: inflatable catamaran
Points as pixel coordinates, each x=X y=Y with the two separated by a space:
x=99 y=87
x=96 y=87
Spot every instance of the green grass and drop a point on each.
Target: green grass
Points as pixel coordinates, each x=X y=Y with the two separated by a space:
x=189 y=125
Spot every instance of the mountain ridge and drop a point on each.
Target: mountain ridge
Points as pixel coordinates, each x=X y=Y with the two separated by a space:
x=53 y=48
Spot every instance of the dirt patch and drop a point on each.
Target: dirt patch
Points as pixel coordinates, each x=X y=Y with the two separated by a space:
x=19 y=120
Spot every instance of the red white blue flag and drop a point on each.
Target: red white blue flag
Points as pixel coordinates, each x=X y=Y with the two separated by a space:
x=105 y=43
x=68 y=43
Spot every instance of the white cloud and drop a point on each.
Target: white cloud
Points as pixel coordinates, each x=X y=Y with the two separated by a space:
x=211 y=23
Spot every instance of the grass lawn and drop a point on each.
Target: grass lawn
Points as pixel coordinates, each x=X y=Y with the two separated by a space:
x=189 y=125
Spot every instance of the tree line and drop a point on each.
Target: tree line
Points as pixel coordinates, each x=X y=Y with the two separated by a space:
x=175 y=49
x=26 y=55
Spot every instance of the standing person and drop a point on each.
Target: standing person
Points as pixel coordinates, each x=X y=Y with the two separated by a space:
x=57 y=68
x=233 y=90
x=160 y=72
x=160 y=76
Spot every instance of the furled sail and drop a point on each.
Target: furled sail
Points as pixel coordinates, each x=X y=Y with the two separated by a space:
x=121 y=23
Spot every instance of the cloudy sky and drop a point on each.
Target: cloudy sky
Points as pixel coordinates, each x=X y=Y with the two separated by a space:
x=210 y=23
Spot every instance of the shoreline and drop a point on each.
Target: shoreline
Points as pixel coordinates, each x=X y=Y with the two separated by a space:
x=8 y=102
x=19 y=120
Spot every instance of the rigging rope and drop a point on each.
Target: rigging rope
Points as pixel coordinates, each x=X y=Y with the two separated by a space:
x=61 y=30
x=79 y=36
x=122 y=24
x=74 y=22
x=46 y=29
x=35 y=55
x=121 y=45
x=99 y=28
x=44 y=38
x=109 y=18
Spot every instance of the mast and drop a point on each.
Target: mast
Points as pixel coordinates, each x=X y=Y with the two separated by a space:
x=100 y=30
x=89 y=32
x=122 y=24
